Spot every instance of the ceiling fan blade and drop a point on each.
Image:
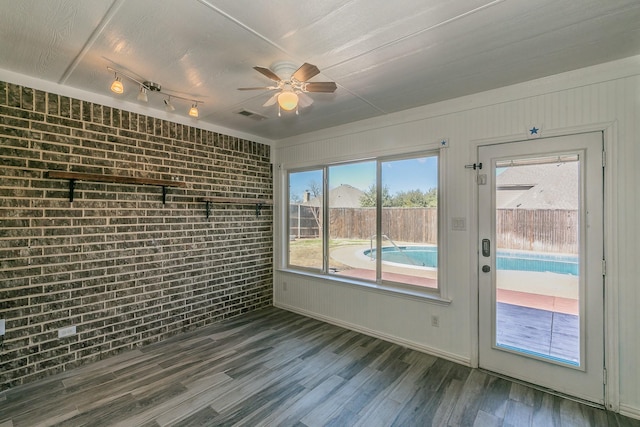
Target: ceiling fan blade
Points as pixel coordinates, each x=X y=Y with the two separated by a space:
x=304 y=100
x=305 y=72
x=258 y=88
x=271 y=100
x=327 y=87
x=268 y=73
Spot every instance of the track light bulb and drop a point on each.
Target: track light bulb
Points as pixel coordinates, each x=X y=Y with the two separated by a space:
x=116 y=86
x=193 y=112
x=168 y=106
x=142 y=95
x=288 y=100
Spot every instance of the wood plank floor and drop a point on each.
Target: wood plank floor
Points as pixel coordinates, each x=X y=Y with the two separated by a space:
x=276 y=368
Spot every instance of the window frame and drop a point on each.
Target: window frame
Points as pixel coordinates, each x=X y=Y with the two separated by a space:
x=287 y=202
x=438 y=293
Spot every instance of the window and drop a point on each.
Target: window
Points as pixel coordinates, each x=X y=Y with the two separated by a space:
x=305 y=219
x=352 y=226
x=374 y=220
x=409 y=237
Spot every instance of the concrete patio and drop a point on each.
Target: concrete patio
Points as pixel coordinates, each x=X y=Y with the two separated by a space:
x=536 y=313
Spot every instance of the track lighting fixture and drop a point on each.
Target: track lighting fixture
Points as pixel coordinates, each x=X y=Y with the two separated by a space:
x=193 y=112
x=148 y=86
x=116 y=86
x=142 y=95
x=168 y=106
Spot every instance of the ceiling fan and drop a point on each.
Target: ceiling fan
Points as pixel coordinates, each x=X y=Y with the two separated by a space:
x=292 y=92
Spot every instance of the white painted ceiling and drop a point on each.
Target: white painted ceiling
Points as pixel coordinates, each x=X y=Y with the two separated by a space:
x=385 y=56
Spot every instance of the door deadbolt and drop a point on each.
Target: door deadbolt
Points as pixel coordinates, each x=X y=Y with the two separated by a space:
x=486 y=269
x=486 y=248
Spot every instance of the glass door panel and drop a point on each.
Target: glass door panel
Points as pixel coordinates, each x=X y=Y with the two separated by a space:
x=537 y=257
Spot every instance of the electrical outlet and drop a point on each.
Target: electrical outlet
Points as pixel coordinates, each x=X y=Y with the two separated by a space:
x=435 y=321
x=2 y=327
x=66 y=332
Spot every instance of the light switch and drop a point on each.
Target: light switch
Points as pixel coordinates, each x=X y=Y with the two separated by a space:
x=458 y=224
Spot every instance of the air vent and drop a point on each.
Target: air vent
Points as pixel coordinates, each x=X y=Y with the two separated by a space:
x=251 y=115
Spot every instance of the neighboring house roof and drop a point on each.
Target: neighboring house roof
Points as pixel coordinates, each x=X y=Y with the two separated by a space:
x=541 y=186
x=343 y=196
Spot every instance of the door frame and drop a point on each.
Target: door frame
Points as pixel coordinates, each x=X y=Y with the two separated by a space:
x=577 y=370
x=611 y=321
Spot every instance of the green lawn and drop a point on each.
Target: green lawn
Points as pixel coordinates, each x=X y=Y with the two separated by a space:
x=308 y=252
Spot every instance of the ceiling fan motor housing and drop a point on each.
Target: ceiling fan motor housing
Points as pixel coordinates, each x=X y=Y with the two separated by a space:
x=284 y=69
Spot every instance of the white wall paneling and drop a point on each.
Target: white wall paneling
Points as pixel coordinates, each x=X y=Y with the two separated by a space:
x=605 y=97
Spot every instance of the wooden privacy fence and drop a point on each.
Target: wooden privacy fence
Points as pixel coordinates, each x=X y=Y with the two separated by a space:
x=545 y=230
x=540 y=230
x=400 y=224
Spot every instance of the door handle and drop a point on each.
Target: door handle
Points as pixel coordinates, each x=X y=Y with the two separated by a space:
x=486 y=248
x=486 y=269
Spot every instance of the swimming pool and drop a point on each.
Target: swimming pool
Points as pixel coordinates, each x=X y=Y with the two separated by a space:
x=427 y=256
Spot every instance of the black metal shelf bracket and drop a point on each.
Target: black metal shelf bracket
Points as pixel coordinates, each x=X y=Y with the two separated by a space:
x=164 y=194
x=258 y=209
x=208 y=208
x=72 y=187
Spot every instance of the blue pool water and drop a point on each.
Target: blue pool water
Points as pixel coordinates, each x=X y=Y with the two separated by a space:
x=427 y=256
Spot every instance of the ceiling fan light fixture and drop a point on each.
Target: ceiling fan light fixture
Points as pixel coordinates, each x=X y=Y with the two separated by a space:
x=193 y=111
x=142 y=95
x=116 y=86
x=288 y=100
x=292 y=89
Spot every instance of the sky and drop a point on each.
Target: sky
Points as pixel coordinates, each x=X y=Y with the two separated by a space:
x=397 y=175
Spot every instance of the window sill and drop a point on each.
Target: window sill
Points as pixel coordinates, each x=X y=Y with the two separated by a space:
x=413 y=293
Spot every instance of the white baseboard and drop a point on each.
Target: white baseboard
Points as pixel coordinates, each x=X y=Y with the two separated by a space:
x=630 y=412
x=376 y=334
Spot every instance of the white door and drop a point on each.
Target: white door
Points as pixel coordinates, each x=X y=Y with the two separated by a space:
x=541 y=304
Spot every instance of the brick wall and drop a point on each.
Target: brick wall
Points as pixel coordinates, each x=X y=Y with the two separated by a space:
x=116 y=263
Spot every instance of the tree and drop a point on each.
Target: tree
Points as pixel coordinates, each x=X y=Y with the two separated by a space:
x=402 y=199
x=315 y=189
x=416 y=198
x=295 y=199
x=368 y=199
